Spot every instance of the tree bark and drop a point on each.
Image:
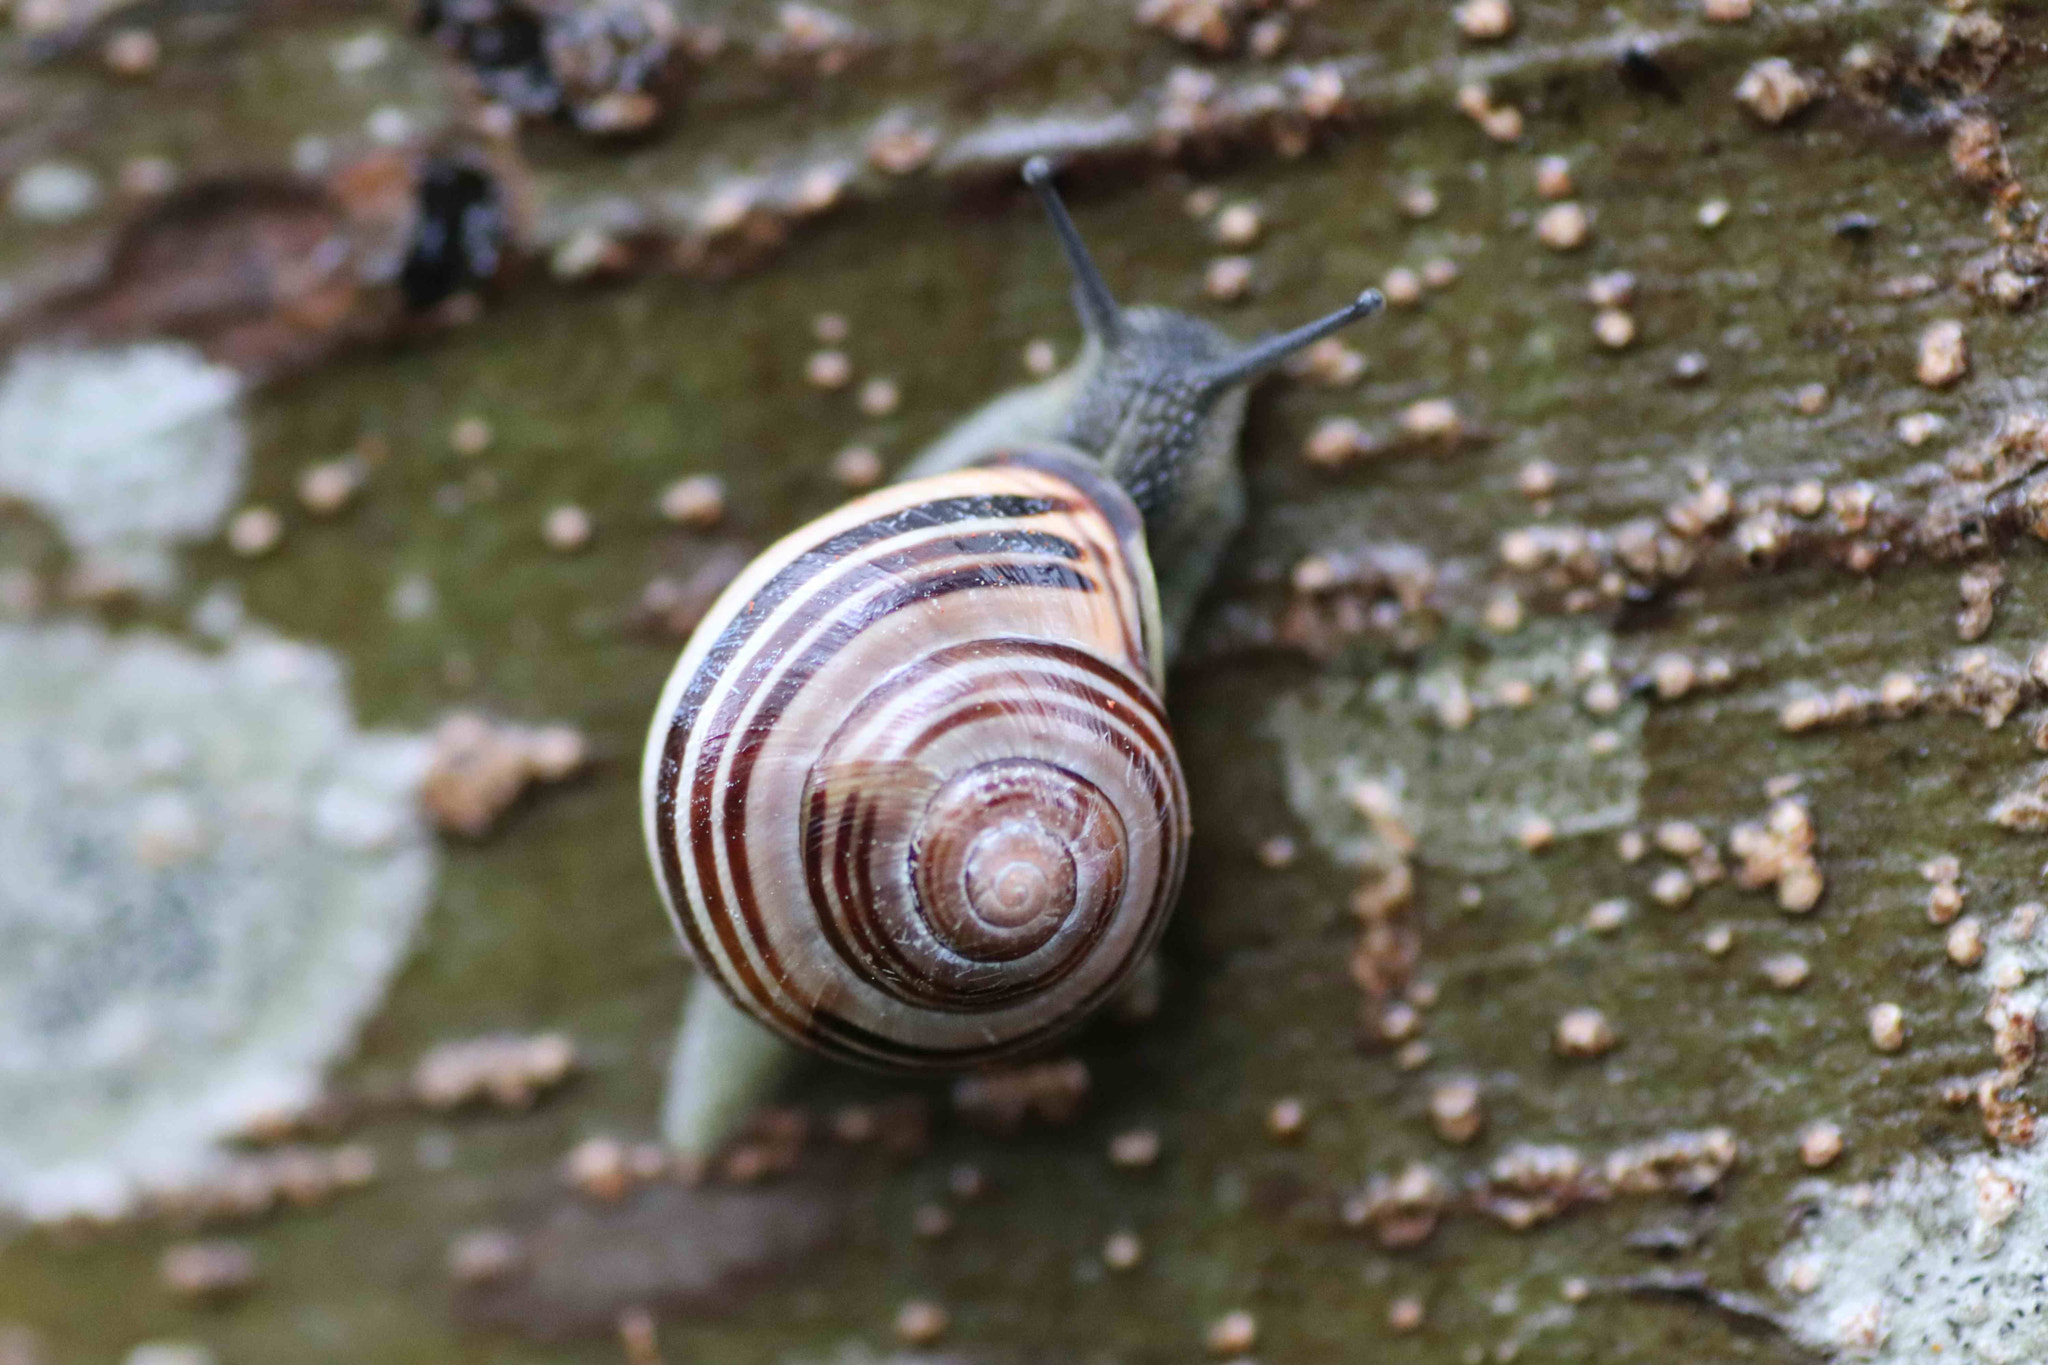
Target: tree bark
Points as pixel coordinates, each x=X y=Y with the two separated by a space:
x=1574 y=744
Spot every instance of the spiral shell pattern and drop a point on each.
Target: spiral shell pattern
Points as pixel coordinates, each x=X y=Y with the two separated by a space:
x=910 y=793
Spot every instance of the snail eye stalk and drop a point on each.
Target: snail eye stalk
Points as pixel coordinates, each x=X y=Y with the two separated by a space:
x=1092 y=299
x=1261 y=356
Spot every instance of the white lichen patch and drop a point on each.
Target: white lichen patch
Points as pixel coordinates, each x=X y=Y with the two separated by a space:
x=1469 y=780
x=211 y=873
x=1943 y=1259
x=128 y=450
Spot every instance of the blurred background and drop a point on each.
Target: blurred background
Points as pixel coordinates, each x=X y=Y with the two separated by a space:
x=1614 y=741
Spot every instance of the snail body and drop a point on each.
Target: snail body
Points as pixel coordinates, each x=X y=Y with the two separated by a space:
x=910 y=793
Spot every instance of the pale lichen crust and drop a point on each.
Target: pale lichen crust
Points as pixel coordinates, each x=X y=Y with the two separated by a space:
x=211 y=876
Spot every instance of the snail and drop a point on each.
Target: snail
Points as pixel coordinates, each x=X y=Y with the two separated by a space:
x=910 y=793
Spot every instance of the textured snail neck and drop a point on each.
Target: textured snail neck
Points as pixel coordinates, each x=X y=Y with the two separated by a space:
x=1144 y=413
x=1165 y=398
x=1155 y=402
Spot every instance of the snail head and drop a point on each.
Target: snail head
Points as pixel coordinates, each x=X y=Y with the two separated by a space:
x=1153 y=402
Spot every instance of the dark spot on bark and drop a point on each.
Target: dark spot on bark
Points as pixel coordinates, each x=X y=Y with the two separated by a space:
x=1643 y=74
x=503 y=43
x=459 y=239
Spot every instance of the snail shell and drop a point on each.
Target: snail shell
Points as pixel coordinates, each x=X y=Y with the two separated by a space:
x=911 y=795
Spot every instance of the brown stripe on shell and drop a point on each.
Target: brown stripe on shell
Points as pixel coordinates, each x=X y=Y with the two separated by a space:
x=896 y=974
x=859 y=557
x=971 y=671
x=1166 y=878
x=827 y=580
x=734 y=634
x=1107 y=498
x=732 y=843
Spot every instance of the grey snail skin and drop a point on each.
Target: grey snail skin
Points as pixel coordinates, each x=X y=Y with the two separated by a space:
x=910 y=793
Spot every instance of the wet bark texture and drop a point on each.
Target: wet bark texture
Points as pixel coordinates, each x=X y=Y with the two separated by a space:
x=1768 y=551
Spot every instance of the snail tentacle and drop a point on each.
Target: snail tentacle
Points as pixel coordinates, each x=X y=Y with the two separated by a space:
x=1098 y=308
x=1254 y=360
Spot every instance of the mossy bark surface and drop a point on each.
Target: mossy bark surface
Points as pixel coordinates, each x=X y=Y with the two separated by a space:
x=601 y=393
